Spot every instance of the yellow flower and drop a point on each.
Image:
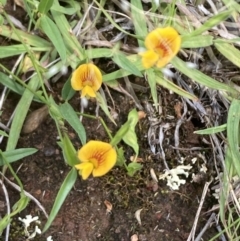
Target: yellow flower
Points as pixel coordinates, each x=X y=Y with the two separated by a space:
x=96 y=157
x=162 y=45
x=87 y=78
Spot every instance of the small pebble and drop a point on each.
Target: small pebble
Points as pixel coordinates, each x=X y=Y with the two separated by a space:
x=49 y=151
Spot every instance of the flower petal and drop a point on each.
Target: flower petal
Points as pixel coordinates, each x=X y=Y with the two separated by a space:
x=101 y=154
x=85 y=168
x=86 y=75
x=168 y=35
x=165 y=42
x=163 y=61
x=149 y=59
x=76 y=80
x=88 y=91
x=109 y=160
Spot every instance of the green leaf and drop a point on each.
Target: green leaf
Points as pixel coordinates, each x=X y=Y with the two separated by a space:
x=233 y=133
x=212 y=22
x=212 y=130
x=3 y=2
x=44 y=6
x=12 y=50
x=70 y=40
x=71 y=117
x=51 y=30
x=11 y=84
x=17 y=154
x=171 y=86
x=66 y=10
x=151 y=77
x=197 y=41
x=139 y=20
x=20 y=205
x=103 y=104
x=133 y=167
x=121 y=60
x=201 y=78
x=120 y=133
x=135 y=59
x=20 y=113
x=67 y=90
x=229 y=51
x=127 y=132
x=29 y=38
x=3 y=133
x=69 y=152
x=130 y=138
x=61 y=196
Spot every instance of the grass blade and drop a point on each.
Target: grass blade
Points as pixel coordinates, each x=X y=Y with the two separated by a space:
x=139 y=20
x=15 y=155
x=212 y=130
x=233 y=133
x=20 y=114
x=122 y=61
x=61 y=196
x=51 y=30
x=171 y=86
x=212 y=22
x=197 y=41
x=71 y=117
x=201 y=78
x=44 y=6
x=229 y=51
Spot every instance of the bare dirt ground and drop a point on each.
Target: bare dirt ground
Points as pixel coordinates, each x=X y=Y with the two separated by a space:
x=166 y=215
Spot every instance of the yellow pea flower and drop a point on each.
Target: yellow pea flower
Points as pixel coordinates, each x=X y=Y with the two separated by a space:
x=87 y=78
x=162 y=45
x=96 y=157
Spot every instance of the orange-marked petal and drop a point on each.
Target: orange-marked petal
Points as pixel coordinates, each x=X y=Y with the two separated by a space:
x=100 y=154
x=87 y=75
x=165 y=42
x=108 y=162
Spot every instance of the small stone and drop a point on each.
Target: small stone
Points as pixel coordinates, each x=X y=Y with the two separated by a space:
x=49 y=151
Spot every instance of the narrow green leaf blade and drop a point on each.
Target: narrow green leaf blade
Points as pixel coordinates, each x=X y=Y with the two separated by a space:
x=212 y=130
x=67 y=91
x=17 y=154
x=12 y=50
x=20 y=114
x=201 y=78
x=71 y=117
x=61 y=196
x=44 y=6
x=139 y=20
x=212 y=22
x=69 y=152
x=171 y=86
x=233 y=133
x=121 y=60
x=229 y=51
x=151 y=77
x=197 y=41
x=11 y=84
x=51 y=30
